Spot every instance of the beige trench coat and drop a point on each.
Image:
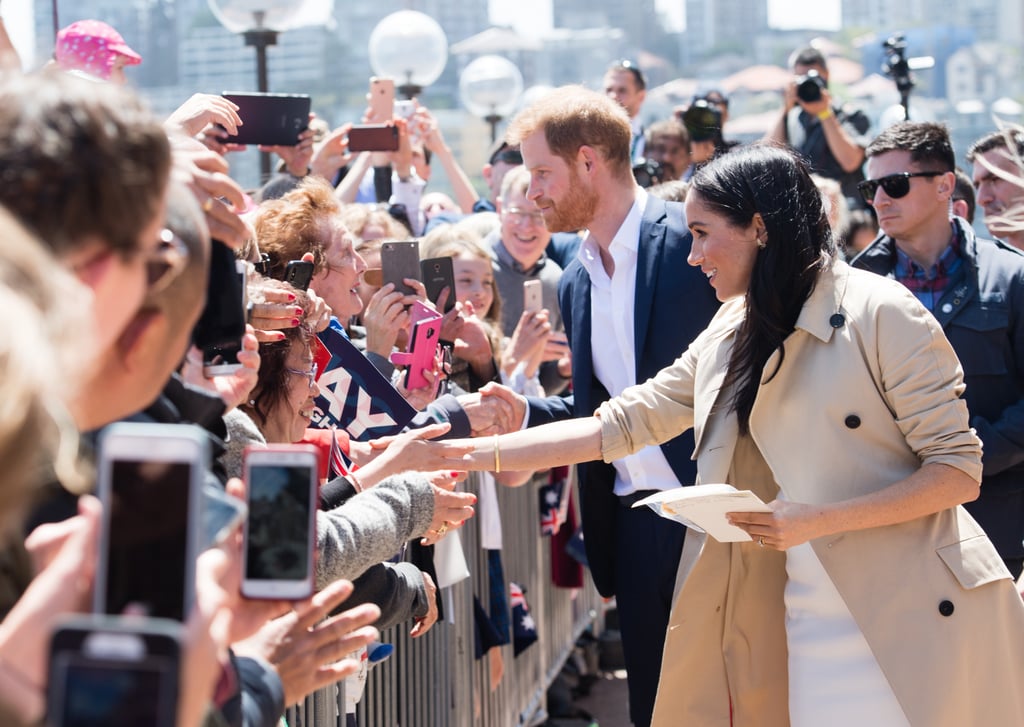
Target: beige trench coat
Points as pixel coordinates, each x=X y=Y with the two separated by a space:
x=858 y=403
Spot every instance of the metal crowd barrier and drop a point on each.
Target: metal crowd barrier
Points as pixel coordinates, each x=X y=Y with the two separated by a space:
x=435 y=681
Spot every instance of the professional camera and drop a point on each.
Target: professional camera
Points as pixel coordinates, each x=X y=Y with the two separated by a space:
x=703 y=120
x=896 y=65
x=810 y=86
x=648 y=173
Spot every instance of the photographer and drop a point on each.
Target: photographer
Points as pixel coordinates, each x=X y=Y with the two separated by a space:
x=832 y=139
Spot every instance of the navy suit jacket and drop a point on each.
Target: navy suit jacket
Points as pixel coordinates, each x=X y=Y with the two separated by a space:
x=673 y=303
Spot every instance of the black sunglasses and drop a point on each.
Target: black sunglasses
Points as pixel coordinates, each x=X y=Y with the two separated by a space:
x=895 y=185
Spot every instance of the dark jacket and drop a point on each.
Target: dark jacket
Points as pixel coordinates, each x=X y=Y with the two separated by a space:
x=982 y=314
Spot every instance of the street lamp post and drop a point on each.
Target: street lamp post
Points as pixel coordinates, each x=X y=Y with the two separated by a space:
x=409 y=47
x=260 y=22
x=490 y=87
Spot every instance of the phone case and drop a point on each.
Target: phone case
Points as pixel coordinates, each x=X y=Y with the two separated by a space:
x=533 y=296
x=274 y=119
x=373 y=137
x=298 y=274
x=382 y=98
x=156 y=447
x=422 y=351
x=274 y=516
x=400 y=260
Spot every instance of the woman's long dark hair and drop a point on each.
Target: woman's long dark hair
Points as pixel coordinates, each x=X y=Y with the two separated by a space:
x=777 y=184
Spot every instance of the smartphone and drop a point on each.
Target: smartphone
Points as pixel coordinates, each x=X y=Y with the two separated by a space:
x=400 y=260
x=437 y=274
x=533 y=296
x=298 y=273
x=221 y=358
x=149 y=480
x=221 y=513
x=404 y=109
x=382 y=98
x=114 y=672
x=273 y=119
x=423 y=342
x=280 y=532
x=373 y=137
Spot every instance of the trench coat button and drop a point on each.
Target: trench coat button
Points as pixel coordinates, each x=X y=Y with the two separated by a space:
x=852 y=421
x=946 y=608
x=947 y=308
x=837 y=320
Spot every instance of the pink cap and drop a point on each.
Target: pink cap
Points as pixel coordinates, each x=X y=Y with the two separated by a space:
x=92 y=46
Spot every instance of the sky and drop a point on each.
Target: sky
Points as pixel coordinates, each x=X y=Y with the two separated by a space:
x=529 y=16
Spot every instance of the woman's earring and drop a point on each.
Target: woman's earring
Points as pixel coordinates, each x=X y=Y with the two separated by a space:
x=762 y=242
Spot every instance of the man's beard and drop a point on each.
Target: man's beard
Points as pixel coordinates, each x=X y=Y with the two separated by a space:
x=575 y=211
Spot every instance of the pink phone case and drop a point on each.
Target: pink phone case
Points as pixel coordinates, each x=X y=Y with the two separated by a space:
x=426 y=334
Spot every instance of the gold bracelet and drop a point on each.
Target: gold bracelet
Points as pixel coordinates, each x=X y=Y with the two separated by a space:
x=497 y=455
x=827 y=113
x=355 y=483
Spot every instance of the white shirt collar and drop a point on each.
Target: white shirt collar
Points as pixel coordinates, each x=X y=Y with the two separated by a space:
x=627 y=237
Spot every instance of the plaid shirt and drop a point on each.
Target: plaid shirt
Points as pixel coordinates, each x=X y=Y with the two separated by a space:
x=929 y=285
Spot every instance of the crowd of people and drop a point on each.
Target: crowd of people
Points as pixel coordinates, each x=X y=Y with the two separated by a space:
x=811 y=317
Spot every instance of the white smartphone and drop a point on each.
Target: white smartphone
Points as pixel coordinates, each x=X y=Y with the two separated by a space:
x=149 y=481
x=280 y=532
x=533 y=296
x=382 y=99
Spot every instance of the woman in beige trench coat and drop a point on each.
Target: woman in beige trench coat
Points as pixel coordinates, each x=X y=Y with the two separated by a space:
x=867 y=596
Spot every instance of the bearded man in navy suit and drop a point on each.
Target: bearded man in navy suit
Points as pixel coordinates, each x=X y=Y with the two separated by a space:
x=631 y=305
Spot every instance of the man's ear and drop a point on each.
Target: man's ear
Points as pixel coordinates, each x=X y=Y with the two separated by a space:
x=587 y=158
x=487 y=171
x=946 y=184
x=144 y=331
x=90 y=261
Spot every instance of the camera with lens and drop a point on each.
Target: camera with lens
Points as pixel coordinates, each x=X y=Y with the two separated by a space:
x=702 y=120
x=648 y=173
x=810 y=86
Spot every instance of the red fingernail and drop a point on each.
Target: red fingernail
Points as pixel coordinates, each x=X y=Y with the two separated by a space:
x=280 y=336
x=291 y=297
x=295 y=321
x=453 y=473
x=474 y=499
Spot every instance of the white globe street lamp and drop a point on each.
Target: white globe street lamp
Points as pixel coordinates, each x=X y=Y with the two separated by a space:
x=490 y=87
x=409 y=47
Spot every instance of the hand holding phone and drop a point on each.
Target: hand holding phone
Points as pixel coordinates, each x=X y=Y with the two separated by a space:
x=280 y=532
x=373 y=137
x=298 y=274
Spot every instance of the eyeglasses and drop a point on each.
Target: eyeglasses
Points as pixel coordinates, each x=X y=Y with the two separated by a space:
x=519 y=215
x=895 y=185
x=165 y=262
x=310 y=375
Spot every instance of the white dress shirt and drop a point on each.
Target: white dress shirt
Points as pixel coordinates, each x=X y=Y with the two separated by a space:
x=613 y=341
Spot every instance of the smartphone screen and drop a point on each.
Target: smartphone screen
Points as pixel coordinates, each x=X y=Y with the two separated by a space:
x=113 y=677
x=279 y=532
x=149 y=479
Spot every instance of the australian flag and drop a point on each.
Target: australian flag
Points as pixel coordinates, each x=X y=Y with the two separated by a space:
x=524 y=630
x=554 y=501
x=354 y=395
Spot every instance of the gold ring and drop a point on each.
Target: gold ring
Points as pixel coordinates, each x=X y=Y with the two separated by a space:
x=443 y=529
x=760 y=541
x=208 y=204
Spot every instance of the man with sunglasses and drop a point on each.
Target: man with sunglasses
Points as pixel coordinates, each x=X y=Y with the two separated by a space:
x=975 y=289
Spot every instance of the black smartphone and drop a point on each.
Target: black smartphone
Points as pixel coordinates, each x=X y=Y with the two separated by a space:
x=280 y=532
x=373 y=137
x=298 y=273
x=218 y=334
x=437 y=274
x=400 y=260
x=114 y=672
x=149 y=481
x=273 y=119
